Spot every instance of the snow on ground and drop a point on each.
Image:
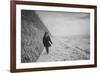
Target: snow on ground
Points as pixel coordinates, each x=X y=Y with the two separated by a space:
x=65 y=50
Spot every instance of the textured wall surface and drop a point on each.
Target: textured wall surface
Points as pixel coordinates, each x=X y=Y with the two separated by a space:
x=32 y=32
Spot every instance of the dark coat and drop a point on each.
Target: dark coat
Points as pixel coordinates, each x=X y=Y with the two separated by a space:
x=47 y=41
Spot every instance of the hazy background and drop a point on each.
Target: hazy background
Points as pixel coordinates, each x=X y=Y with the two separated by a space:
x=70 y=35
x=66 y=23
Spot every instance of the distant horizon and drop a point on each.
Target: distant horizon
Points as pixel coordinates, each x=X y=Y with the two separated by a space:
x=73 y=36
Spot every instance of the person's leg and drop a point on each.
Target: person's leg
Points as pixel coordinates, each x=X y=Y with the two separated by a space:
x=47 y=49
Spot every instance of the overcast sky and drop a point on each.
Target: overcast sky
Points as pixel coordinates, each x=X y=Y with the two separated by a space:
x=66 y=23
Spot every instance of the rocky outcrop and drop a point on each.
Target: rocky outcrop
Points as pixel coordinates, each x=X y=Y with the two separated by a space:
x=32 y=32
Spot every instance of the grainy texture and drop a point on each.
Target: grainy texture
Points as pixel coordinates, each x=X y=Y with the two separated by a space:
x=67 y=49
x=32 y=31
x=64 y=48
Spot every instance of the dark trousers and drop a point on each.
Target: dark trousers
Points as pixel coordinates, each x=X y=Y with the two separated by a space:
x=47 y=49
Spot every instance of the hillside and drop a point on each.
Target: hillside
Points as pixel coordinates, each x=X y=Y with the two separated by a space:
x=32 y=31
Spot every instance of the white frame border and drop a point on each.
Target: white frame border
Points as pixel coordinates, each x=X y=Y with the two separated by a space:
x=20 y=65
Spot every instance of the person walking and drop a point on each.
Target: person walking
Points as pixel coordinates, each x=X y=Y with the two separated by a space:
x=47 y=41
